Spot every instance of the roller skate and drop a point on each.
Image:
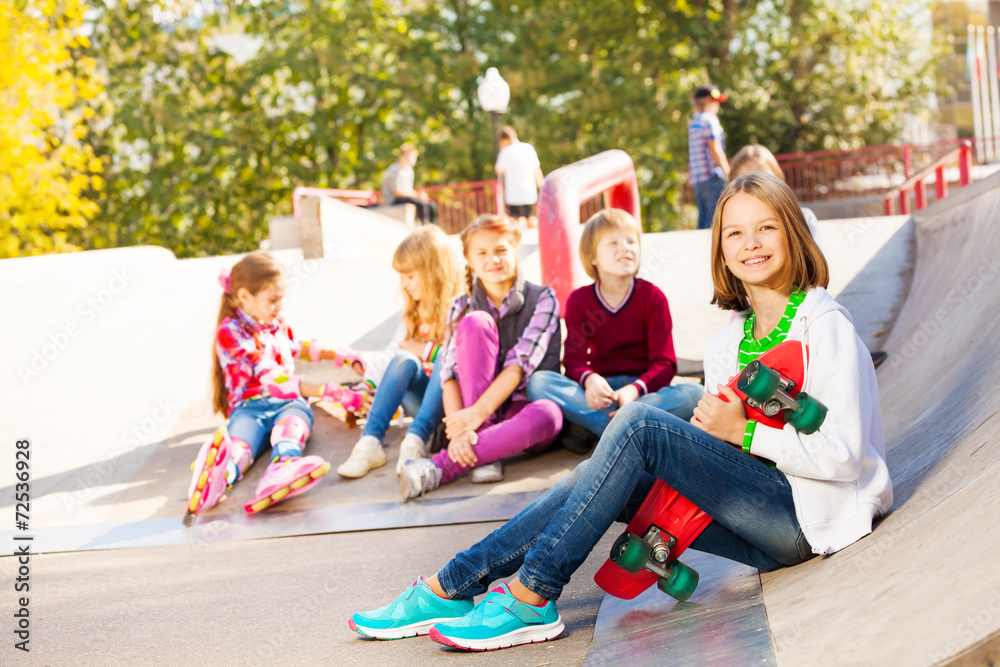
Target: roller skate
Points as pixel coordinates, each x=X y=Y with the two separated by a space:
x=208 y=483
x=286 y=478
x=347 y=398
x=289 y=474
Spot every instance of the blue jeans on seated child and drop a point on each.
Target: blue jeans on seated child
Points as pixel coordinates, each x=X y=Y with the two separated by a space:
x=405 y=383
x=545 y=543
x=252 y=421
x=679 y=399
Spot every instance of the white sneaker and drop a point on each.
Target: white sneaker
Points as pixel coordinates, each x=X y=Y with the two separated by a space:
x=411 y=449
x=484 y=474
x=366 y=455
x=418 y=477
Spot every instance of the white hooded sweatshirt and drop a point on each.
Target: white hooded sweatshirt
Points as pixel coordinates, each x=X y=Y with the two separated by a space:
x=838 y=475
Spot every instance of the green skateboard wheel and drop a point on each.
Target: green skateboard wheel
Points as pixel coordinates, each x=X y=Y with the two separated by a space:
x=810 y=415
x=681 y=582
x=630 y=553
x=758 y=381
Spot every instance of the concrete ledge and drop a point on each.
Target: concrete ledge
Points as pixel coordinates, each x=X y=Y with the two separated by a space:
x=283 y=232
x=328 y=227
x=405 y=213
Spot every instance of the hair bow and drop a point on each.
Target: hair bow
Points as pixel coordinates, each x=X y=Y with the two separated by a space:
x=225 y=280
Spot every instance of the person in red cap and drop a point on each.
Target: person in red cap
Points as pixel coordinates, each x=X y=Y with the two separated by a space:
x=708 y=167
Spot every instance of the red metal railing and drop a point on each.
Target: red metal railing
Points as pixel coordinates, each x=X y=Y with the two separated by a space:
x=863 y=172
x=917 y=183
x=458 y=203
x=593 y=205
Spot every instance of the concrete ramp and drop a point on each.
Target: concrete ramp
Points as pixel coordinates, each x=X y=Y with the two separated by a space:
x=924 y=588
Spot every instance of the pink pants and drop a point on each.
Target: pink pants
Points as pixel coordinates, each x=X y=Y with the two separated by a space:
x=521 y=426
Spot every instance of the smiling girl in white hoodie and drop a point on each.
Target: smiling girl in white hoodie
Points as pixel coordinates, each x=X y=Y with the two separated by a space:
x=821 y=494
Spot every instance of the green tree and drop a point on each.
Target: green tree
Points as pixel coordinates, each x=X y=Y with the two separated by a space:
x=203 y=146
x=47 y=82
x=585 y=77
x=811 y=75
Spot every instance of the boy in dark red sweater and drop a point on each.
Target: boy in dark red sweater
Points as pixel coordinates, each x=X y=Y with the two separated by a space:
x=619 y=343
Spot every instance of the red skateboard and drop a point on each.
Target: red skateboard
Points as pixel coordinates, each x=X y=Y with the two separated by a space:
x=667 y=522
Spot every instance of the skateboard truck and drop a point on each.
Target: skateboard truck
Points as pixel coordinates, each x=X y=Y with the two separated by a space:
x=652 y=553
x=768 y=391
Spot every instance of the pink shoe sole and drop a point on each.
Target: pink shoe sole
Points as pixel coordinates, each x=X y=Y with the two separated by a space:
x=441 y=639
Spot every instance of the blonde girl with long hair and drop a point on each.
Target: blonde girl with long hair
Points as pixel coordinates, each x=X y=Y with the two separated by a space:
x=254 y=385
x=500 y=331
x=407 y=374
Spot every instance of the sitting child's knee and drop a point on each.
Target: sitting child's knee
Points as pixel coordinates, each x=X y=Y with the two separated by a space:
x=631 y=410
x=553 y=415
x=475 y=321
x=538 y=385
x=403 y=357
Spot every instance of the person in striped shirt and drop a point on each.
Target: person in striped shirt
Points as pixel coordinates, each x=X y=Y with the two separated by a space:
x=708 y=167
x=499 y=333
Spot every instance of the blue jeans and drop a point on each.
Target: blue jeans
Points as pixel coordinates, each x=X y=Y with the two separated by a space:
x=706 y=196
x=252 y=421
x=679 y=399
x=406 y=384
x=546 y=542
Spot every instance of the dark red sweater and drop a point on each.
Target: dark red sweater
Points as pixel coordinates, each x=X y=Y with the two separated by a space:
x=636 y=340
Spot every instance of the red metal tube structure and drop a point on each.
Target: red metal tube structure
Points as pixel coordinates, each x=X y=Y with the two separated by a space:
x=559 y=213
x=962 y=154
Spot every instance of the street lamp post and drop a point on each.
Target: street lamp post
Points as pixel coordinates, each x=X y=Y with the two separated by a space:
x=494 y=94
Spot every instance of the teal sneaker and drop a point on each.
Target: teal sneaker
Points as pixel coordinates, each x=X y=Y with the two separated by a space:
x=411 y=614
x=500 y=621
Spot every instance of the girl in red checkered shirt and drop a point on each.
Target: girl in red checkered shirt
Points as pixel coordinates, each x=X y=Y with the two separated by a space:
x=254 y=385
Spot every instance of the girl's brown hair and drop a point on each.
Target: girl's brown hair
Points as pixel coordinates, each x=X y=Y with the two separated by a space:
x=426 y=253
x=254 y=272
x=603 y=221
x=805 y=266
